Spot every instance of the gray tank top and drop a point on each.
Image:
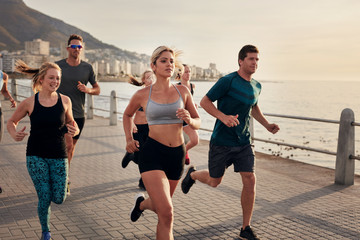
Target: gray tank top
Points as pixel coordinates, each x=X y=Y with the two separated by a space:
x=157 y=113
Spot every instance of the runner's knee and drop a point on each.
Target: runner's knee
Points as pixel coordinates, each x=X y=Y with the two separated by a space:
x=165 y=214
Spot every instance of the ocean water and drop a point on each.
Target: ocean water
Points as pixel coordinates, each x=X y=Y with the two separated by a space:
x=315 y=99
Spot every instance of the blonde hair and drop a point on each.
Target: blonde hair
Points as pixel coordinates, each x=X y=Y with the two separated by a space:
x=159 y=50
x=179 y=72
x=134 y=81
x=143 y=75
x=37 y=73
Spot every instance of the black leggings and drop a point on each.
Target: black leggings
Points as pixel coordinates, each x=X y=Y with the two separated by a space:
x=156 y=156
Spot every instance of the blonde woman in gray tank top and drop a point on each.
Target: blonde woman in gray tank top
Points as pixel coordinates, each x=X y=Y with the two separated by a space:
x=162 y=157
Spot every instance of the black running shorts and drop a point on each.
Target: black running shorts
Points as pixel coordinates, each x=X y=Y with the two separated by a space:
x=221 y=157
x=156 y=156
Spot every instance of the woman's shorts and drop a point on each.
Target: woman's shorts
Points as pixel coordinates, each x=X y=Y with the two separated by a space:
x=222 y=157
x=80 y=122
x=141 y=135
x=156 y=156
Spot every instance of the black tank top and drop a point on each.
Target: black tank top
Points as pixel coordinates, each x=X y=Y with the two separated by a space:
x=191 y=88
x=47 y=131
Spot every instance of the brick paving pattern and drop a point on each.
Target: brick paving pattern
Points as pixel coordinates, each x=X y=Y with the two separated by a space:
x=293 y=201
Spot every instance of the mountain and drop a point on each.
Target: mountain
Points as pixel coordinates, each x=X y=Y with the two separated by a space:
x=19 y=23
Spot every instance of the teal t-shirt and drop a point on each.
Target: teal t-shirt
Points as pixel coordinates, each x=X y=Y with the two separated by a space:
x=234 y=95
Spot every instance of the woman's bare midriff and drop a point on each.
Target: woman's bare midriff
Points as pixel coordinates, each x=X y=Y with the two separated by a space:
x=167 y=134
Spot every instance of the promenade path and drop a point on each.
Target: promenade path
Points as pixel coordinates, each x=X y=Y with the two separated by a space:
x=294 y=200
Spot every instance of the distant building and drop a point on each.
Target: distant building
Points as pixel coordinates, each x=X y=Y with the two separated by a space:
x=198 y=73
x=125 y=67
x=212 y=66
x=114 y=67
x=214 y=73
x=34 y=61
x=8 y=62
x=211 y=73
x=193 y=72
x=37 y=47
x=95 y=66
x=207 y=73
x=138 y=68
x=103 y=68
x=105 y=61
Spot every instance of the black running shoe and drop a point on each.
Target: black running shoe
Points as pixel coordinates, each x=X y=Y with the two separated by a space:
x=0 y=190
x=248 y=233
x=187 y=182
x=126 y=159
x=141 y=184
x=136 y=212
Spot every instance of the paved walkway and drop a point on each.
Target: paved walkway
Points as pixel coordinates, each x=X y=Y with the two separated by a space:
x=294 y=200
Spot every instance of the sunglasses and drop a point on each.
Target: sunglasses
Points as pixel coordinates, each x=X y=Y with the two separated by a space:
x=73 y=46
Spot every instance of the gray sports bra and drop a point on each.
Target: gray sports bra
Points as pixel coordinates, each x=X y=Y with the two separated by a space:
x=157 y=113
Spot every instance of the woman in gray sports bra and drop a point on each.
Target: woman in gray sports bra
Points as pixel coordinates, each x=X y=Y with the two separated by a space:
x=161 y=160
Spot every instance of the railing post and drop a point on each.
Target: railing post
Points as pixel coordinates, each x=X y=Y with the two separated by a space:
x=2 y=123
x=345 y=167
x=251 y=129
x=113 y=109
x=90 y=106
x=31 y=89
x=14 y=89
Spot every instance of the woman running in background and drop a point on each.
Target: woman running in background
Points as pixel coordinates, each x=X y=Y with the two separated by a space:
x=184 y=75
x=141 y=128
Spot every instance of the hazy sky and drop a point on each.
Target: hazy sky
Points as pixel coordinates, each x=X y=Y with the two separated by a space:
x=298 y=40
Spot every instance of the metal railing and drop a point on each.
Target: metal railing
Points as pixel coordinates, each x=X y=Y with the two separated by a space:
x=14 y=90
x=345 y=154
x=299 y=146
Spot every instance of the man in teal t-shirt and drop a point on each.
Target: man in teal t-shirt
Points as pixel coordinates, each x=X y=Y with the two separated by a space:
x=235 y=96
x=237 y=99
